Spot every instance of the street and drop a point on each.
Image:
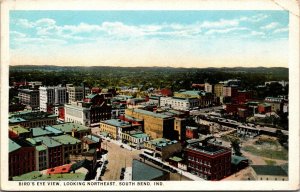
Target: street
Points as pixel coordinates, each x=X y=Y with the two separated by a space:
x=117 y=158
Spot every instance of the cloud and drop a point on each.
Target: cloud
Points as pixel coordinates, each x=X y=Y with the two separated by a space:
x=24 y=23
x=270 y=26
x=43 y=42
x=220 y=24
x=16 y=34
x=254 y=18
x=281 y=30
x=257 y=33
x=224 y=31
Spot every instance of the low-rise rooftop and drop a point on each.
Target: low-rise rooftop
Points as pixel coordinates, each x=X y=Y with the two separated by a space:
x=150 y=113
x=237 y=159
x=269 y=170
x=13 y=146
x=41 y=148
x=162 y=142
x=140 y=135
x=207 y=149
x=66 y=139
x=144 y=172
x=19 y=129
x=38 y=131
x=38 y=176
x=31 y=115
x=13 y=120
x=68 y=127
x=49 y=142
x=92 y=138
x=191 y=93
x=53 y=130
x=132 y=118
x=117 y=123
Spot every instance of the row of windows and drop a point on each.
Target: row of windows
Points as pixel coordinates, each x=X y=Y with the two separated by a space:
x=39 y=123
x=191 y=158
x=200 y=168
x=22 y=157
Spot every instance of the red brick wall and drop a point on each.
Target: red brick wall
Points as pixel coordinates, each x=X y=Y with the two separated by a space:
x=217 y=166
x=55 y=156
x=21 y=161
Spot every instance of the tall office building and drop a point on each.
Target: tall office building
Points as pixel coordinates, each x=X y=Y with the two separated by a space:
x=50 y=96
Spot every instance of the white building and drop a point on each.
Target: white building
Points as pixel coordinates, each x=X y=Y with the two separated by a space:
x=183 y=104
x=51 y=96
x=76 y=113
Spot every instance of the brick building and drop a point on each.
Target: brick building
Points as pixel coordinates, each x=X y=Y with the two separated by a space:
x=75 y=130
x=242 y=97
x=32 y=118
x=230 y=91
x=70 y=145
x=210 y=162
x=163 y=148
x=115 y=127
x=55 y=151
x=155 y=124
x=191 y=132
x=21 y=158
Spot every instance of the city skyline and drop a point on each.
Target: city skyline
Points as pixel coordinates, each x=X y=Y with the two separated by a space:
x=150 y=38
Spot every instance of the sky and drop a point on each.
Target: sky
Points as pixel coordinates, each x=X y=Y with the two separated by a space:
x=149 y=38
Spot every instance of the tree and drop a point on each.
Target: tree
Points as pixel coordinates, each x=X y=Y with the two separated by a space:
x=235 y=144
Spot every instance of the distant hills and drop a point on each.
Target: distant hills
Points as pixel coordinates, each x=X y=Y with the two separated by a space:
x=145 y=77
x=181 y=69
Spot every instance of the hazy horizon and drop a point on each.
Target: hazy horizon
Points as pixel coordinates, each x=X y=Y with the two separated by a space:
x=189 y=39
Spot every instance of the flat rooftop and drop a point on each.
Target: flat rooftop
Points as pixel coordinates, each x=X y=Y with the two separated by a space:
x=53 y=130
x=150 y=113
x=274 y=170
x=162 y=142
x=38 y=176
x=207 y=149
x=49 y=142
x=92 y=138
x=117 y=123
x=139 y=135
x=144 y=172
x=31 y=115
x=38 y=131
x=13 y=146
x=132 y=118
x=66 y=139
x=68 y=127
x=19 y=129
x=16 y=120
